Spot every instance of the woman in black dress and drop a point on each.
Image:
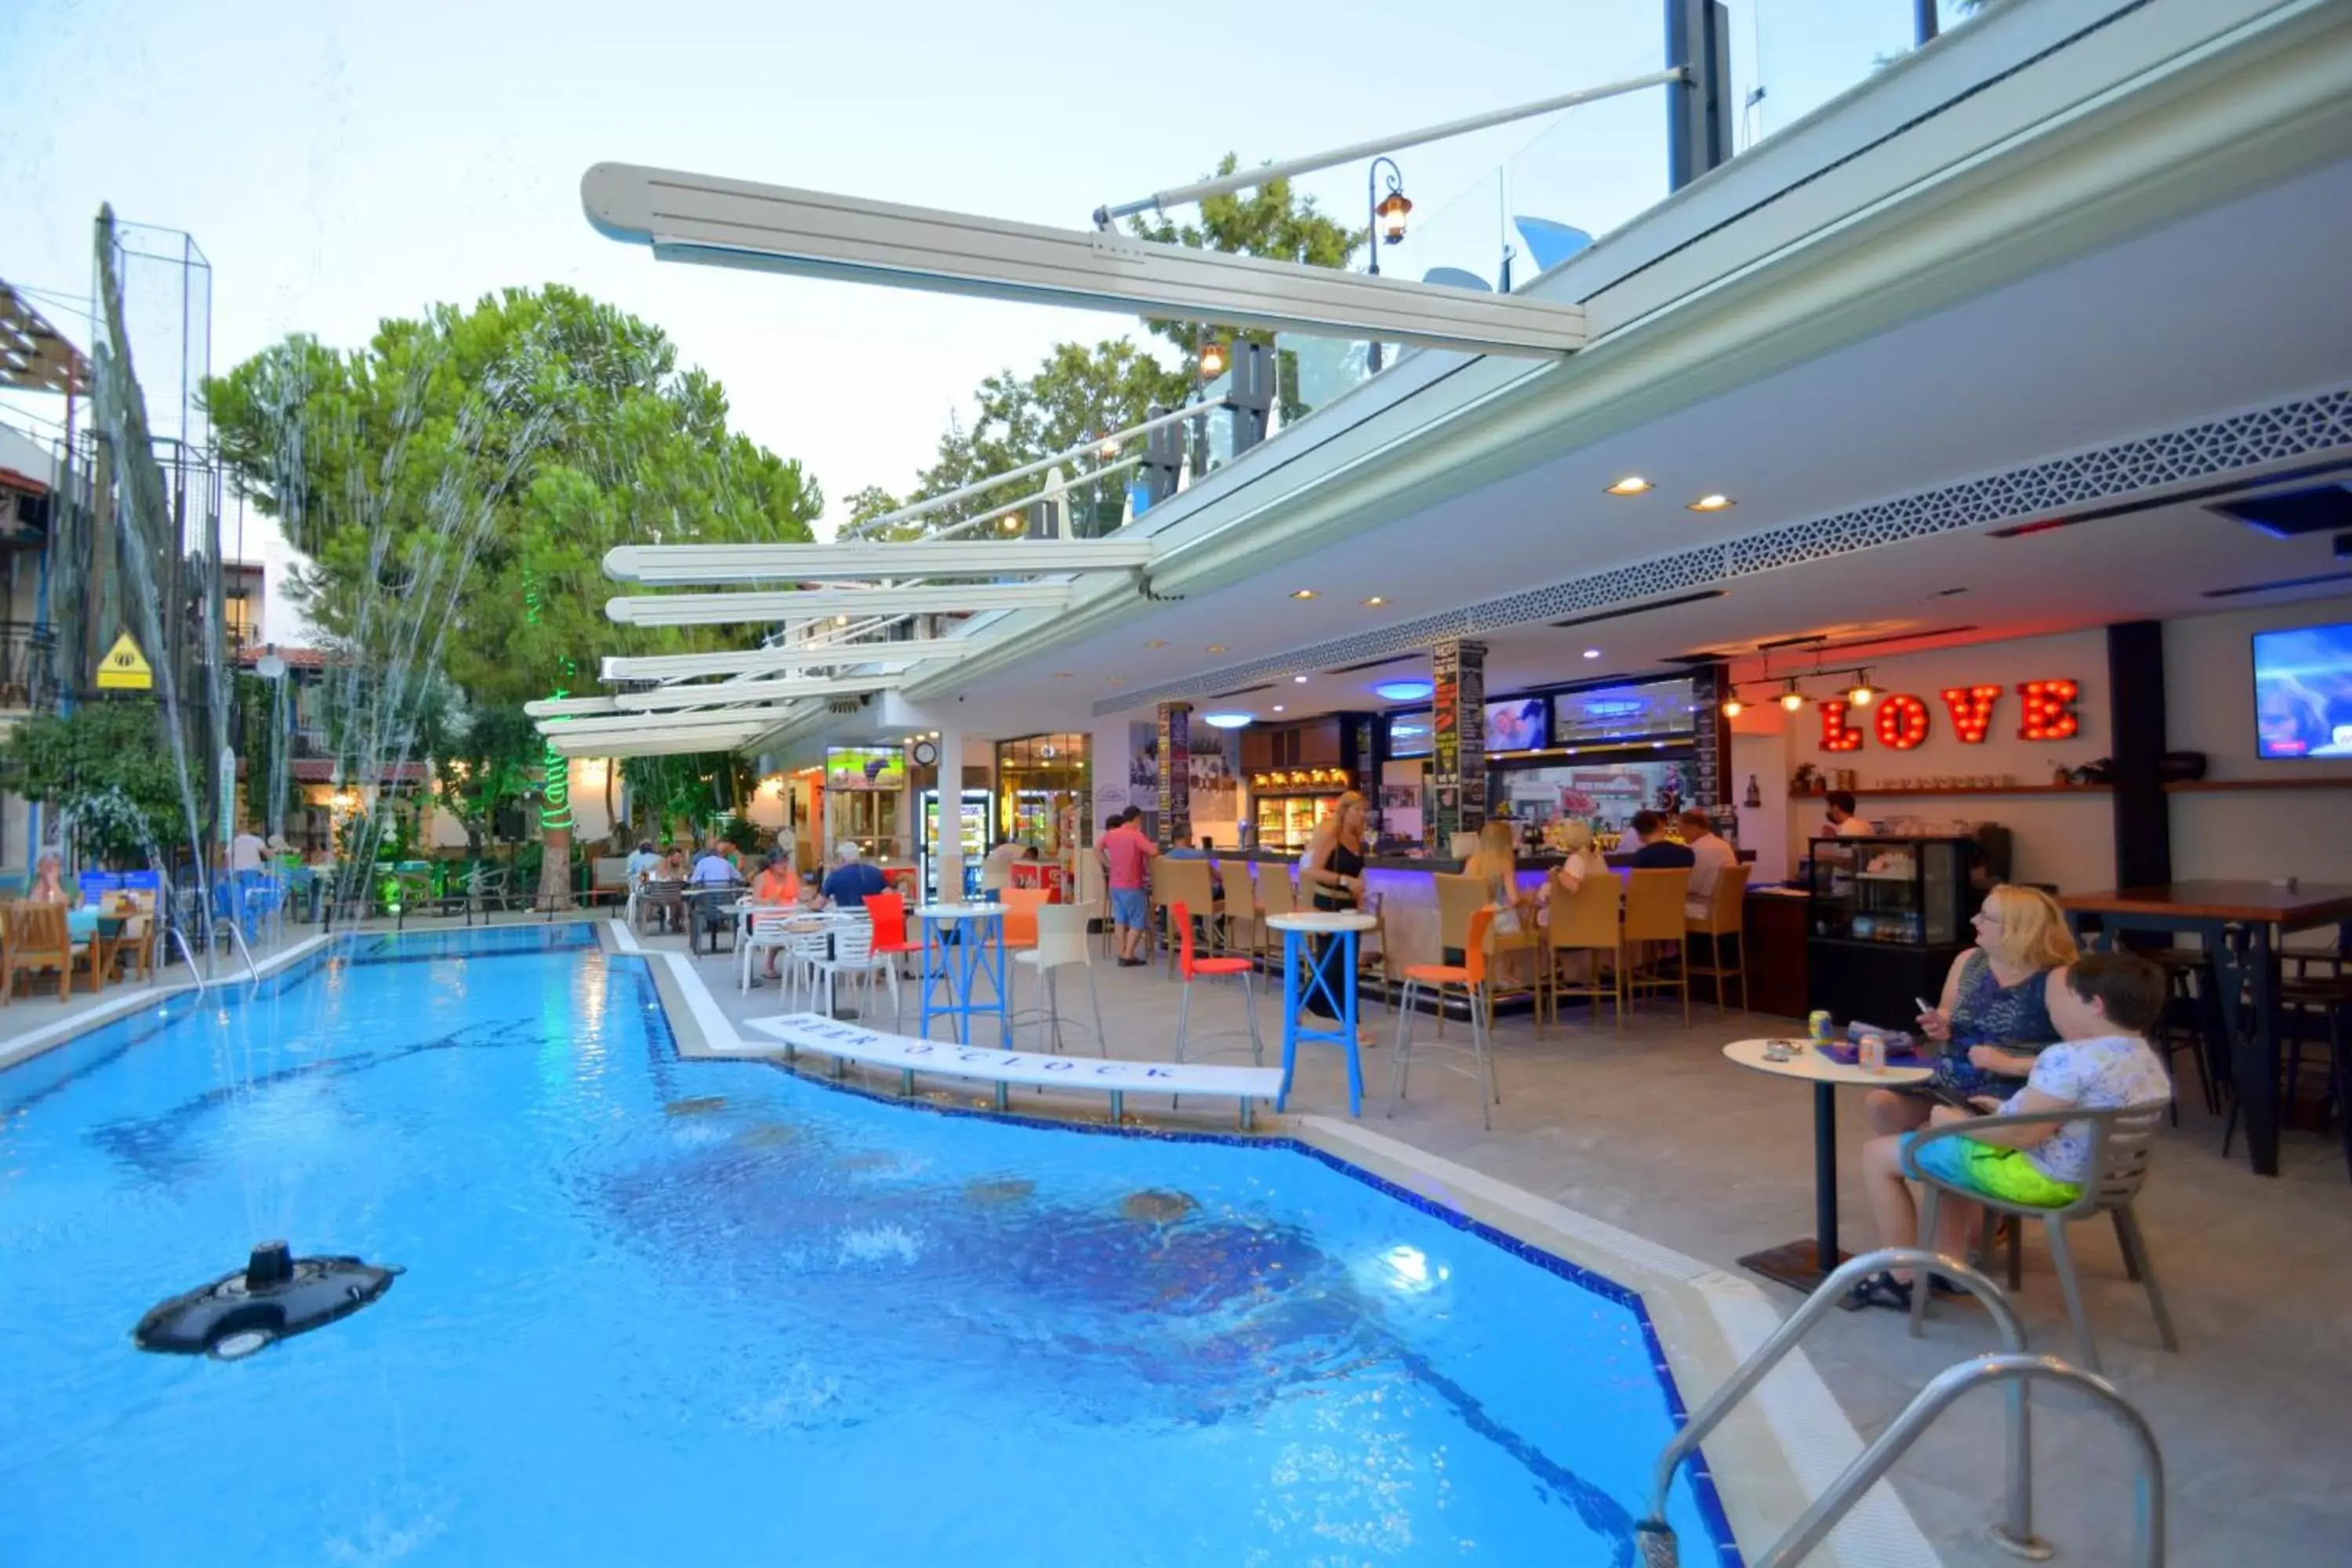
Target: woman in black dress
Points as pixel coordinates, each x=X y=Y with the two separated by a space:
x=1332 y=873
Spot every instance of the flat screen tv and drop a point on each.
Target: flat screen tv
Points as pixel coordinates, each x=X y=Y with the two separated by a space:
x=1521 y=724
x=2302 y=692
x=1409 y=733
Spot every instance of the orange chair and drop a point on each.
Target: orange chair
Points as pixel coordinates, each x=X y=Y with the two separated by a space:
x=1180 y=918
x=1470 y=975
x=888 y=913
x=1021 y=907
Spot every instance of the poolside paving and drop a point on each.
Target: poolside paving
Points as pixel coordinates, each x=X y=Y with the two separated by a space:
x=1650 y=1129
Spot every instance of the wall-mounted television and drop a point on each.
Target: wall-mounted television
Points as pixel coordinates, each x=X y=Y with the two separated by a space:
x=2302 y=692
x=1520 y=724
x=865 y=767
x=1409 y=733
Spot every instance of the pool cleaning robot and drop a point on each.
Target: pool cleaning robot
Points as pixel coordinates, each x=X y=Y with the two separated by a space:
x=275 y=1296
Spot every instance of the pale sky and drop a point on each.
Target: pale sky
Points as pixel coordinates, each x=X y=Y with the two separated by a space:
x=339 y=163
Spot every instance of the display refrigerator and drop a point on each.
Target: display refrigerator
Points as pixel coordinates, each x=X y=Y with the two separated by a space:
x=1888 y=914
x=1286 y=821
x=974 y=835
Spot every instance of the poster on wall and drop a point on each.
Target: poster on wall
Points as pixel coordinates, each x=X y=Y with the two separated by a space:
x=1216 y=770
x=1143 y=761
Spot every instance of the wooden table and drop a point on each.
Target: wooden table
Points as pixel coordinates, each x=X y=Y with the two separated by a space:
x=1800 y=1264
x=2240 y=924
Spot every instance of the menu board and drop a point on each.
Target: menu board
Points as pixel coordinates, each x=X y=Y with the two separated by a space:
x=1517 y=725
x=1409 y=733
x=865 y=767
x=1651 y=709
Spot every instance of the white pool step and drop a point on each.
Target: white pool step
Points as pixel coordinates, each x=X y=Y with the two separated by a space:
x=908 y=1056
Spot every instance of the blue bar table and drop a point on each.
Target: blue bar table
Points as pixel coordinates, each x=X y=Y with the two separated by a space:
x=1347 y=926
x=960 y=943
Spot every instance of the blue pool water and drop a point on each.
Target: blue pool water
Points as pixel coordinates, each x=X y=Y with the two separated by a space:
x=662 y=1310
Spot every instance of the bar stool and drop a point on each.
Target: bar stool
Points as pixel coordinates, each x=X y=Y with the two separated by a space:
x=2329 y=996
x=1654 y=913
x=2192 y=1019
x=1587 y=921
x=1727 y=914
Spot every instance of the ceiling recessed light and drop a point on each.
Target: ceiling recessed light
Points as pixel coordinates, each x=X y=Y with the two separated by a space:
x=1277 y=706
x=1711 y=503
x=1631 y=485
x=1157 y=642
x=1298 y=681
x=1302 y=592
x=1375 y=602
x=1404 y=691
x=1592 y=653
x=1225 y=720
x=1216 y=648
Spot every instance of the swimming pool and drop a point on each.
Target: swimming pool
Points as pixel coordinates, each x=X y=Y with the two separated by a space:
x=662 y=1309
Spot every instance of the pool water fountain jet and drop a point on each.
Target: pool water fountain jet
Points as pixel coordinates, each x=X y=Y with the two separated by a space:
x=275 y=1296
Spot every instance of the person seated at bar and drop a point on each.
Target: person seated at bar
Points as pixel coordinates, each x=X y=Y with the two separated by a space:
x=1496 y=862
x=1202 y=848
x=1657 y=852
x=1996 y=1008
x=2103 y=1004
x=1579 y=859
x=1711 y=855
x=851 y=881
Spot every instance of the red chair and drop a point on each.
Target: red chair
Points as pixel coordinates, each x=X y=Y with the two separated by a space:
x=1470 y=976
x=1179 y=918
x=888 y=913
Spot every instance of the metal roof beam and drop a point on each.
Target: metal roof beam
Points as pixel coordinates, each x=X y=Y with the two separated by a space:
x=717 y=693
x=737 y=223
x=777 y=660
x=663 y=565
x=728 y=609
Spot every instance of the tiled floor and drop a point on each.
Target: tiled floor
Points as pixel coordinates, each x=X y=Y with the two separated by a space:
x=1651 y=1129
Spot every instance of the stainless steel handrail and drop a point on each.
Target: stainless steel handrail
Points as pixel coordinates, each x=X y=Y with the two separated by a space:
x=237 y=937
x=188 y=953
x=2016 y=1534
x=2148 y=1492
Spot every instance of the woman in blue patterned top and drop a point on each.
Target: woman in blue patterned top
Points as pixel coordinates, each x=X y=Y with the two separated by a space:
x=1997 y=995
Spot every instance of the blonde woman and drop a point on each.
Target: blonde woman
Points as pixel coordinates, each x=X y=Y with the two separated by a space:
x=1496 y=864
x=1997 y=995
x=1579 y=859
x=1331 y=872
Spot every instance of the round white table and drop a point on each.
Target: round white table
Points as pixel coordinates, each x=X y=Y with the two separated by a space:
x=1800 y=1264
x=960 y=959
x=1348 y=925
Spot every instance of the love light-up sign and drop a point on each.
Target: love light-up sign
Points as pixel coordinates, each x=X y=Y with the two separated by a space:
x=1902 y=719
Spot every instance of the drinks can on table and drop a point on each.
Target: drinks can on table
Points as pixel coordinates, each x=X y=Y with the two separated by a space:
x=1872 y=1054
x=1818 y=1021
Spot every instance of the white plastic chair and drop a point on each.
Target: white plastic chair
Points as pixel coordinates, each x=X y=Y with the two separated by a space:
x=808 y=944
x=764 y=929
x=1061 y=942
x=853 y=955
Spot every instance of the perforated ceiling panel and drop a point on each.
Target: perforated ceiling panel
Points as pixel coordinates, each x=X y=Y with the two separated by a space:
x=2196 y=452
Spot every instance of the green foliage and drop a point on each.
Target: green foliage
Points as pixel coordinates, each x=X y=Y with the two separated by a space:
x=1078 y=392
x=107 y=766
x=488 y=756
x=463 y=463
x=685 y=792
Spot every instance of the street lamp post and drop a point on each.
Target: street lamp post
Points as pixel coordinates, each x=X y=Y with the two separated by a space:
x=1384 y=221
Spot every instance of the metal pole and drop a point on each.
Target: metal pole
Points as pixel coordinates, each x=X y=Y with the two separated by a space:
x=996 y=482
x=1373 y=242
x=1263 y=174
x=1924 y=21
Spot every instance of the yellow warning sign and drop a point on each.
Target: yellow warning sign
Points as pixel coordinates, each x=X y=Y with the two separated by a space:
x=124 y=668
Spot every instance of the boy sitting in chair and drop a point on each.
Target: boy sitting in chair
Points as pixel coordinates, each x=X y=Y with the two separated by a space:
x=2104 y=1010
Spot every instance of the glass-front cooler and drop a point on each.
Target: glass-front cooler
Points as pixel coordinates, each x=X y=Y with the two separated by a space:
x=974 y=835
x=1287 y=821
x=1888 y=915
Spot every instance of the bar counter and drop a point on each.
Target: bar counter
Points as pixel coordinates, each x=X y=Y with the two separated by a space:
x=1406 y=886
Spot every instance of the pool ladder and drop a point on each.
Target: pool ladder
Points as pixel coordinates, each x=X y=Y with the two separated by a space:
x=2011 y=1365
